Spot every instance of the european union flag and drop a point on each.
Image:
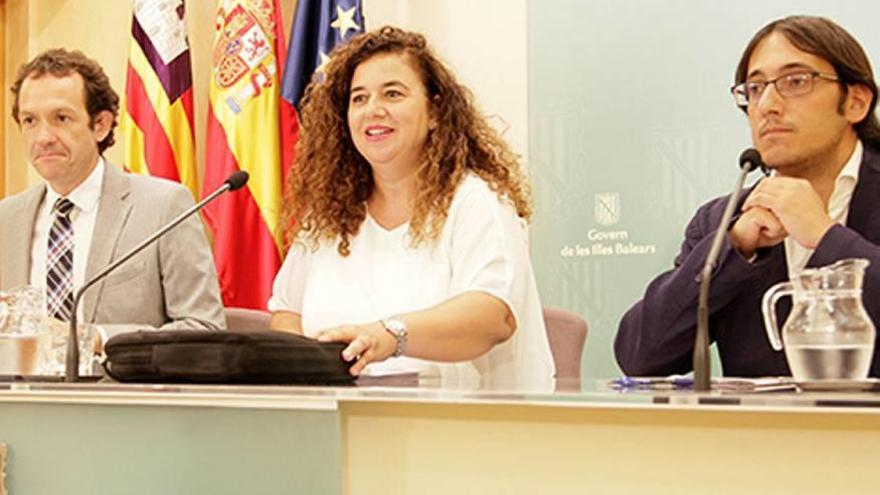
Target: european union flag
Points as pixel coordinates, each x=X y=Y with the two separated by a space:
x=318 y=26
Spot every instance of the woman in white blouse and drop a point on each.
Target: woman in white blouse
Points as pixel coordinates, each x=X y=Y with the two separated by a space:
x=407 y=221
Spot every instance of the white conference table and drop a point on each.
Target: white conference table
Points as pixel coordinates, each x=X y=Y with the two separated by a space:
x=182 y=439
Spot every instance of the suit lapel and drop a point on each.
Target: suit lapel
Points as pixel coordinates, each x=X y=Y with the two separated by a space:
x=863 y=217
x=113 y=212
x=17 y=252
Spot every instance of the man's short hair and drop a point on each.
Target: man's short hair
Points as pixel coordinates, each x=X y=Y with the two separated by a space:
x=58 y=62
x=826 y=39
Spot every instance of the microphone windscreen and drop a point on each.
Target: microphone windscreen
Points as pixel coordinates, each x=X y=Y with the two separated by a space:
x=750 y=159
x=237 y=180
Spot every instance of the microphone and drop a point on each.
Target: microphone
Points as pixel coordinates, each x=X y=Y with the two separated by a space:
x=749 y=160
x=235 y=181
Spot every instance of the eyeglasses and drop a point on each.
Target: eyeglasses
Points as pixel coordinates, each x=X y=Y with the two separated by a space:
x=793 y=84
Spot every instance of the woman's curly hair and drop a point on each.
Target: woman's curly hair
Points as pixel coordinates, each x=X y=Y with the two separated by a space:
x=326 y=194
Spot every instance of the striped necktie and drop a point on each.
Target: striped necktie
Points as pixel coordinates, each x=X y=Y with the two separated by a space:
x=59 y=262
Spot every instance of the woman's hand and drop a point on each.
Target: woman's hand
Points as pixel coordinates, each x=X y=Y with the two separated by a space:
x=459 y=329
x=366 y=343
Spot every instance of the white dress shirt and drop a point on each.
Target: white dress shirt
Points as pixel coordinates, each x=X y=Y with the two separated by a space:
x=483 y=247
x=85 y=200
x=838 y=209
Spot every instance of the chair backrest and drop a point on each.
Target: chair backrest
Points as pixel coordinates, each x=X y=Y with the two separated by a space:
x=567 y=333
x=244 y=319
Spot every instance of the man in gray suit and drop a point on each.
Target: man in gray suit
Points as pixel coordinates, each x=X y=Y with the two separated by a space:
x=60 y=233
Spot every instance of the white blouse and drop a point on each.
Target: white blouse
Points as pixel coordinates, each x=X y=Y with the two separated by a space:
x=483 y=247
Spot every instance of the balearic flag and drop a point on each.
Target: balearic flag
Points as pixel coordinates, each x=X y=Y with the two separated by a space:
x=317 y=28
x=158 y=118
x=248 y=128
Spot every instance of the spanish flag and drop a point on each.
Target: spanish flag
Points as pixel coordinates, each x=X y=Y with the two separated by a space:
x=249 y=128
x=157 y=122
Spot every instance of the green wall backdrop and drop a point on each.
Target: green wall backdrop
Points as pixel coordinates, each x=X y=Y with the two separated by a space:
x=631 y=128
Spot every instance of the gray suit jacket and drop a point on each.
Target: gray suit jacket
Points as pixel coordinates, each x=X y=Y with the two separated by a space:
x=171 y=284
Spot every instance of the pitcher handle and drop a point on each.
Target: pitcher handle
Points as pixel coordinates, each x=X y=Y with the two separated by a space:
x=768 y=308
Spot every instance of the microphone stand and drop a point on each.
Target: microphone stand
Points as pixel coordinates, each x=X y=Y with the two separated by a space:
x=71 y=373
x=702 y=358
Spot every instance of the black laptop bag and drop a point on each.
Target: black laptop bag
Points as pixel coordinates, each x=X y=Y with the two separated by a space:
x=224 y=357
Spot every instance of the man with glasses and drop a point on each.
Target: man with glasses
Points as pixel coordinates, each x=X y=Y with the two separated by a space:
x=808 y=91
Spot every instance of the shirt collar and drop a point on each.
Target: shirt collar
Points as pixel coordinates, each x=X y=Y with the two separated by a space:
x=851 y=169
x=86 y=195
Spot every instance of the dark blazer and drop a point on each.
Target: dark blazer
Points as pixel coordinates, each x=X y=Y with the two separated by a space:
x=656 y=335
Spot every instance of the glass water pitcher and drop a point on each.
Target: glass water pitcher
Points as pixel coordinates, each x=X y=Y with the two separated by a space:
x=828 y=334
